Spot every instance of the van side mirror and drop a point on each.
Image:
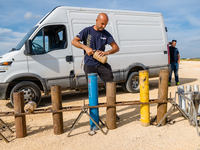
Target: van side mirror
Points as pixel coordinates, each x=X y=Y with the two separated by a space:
x=28 y=48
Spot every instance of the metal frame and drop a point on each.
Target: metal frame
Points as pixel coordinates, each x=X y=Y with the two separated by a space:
x=1 y=135
x=85 y=111
x=190 y=116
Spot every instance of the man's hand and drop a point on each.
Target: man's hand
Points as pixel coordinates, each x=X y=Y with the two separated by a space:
x=114 y=49
x=89 y=51
x=101 y=53
x=76 y=43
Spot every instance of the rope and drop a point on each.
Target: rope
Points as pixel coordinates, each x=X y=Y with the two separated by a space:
x=81 y=67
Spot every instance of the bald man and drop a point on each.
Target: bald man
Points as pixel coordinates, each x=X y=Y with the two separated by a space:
x=95 y=38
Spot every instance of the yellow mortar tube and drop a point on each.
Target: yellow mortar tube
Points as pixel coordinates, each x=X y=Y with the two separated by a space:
x=144 y=97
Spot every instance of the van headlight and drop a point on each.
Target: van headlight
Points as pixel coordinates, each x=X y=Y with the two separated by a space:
x=7 y=63
x=4 y=66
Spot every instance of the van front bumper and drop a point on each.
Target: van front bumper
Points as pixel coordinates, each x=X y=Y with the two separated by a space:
x=3 y=89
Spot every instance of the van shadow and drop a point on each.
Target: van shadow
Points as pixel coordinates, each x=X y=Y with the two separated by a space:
x=153 y=83
x=187 y=80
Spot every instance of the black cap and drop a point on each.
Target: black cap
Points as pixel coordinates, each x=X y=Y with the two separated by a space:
x=174 y=41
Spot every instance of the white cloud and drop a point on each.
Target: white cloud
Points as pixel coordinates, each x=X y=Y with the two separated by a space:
x=9 y=39
x=5 y=31
x=29 y=15
x=195 y=21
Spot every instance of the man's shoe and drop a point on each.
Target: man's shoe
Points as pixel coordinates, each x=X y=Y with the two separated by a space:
x=169 y=83
x=117 y=118
x=177 y=83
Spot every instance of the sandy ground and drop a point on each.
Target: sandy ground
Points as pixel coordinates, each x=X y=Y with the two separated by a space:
x=129 y=133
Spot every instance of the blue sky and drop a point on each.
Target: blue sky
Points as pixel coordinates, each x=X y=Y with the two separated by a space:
x=181 y=17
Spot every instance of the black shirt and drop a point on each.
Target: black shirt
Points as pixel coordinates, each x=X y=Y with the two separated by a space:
x=95 y=40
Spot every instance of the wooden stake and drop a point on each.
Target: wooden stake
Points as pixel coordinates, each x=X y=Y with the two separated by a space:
x=56 y=99
x=20 y=121
x=162 y=94
x=111 y=99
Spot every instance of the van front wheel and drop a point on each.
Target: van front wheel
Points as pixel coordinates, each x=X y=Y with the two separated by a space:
x=132 y=83
x=31 y=92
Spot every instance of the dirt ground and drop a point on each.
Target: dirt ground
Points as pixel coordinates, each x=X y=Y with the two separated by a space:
x=129 y=133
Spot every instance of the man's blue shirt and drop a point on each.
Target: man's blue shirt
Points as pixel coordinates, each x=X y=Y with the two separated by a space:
x=173 y=54
x=95 y=40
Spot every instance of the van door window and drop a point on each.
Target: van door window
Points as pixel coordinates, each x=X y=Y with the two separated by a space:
x=50 y=38
x=37 y=44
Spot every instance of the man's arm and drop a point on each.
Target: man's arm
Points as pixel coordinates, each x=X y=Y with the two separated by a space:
x=178 y=58
x=114 y=49
x=76 y=43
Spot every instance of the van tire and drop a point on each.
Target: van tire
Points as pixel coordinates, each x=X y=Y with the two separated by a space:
x=124 y=87
x=132 y=83
x=31 y=92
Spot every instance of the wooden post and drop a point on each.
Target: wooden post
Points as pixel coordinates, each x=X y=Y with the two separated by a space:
x=20 y=121
x=162 y=94
x=111 y=100
x=56 y=99
x=144 y=97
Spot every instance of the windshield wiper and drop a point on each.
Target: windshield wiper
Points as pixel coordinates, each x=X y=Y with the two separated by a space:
x=13 y=49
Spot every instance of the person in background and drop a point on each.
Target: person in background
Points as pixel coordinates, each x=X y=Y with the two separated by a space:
x=174 y=61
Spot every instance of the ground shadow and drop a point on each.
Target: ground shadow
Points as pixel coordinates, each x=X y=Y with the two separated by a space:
x=174 y=114
x=73 y=96
x=125 y=118
x=6 y=133
x=31 y=130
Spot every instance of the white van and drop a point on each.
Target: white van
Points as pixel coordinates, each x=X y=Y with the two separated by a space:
x=45 y=56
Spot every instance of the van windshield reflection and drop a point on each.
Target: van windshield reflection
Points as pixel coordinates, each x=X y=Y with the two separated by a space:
x=21 y=43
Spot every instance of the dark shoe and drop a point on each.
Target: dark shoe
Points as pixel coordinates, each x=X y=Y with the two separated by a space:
x=169 y=83
x=117 y=118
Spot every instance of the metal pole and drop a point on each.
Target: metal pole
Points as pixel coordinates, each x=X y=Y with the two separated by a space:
x=4 y=138
x=6 y=125
x=144 y=97
x=162 y=94
x=111 y=99
x=182 y=102
x=189 y=89
x=197 y=106
x=20 y=121
x=93 y=99
x=56 y=99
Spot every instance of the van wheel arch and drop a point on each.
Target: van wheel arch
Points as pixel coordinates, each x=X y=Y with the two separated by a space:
x=31 y=92
x=26 y=77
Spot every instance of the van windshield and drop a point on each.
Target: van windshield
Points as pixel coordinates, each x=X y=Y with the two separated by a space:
x=21 y=43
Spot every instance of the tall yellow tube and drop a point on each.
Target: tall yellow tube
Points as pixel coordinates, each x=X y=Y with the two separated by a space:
x=144 y=97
